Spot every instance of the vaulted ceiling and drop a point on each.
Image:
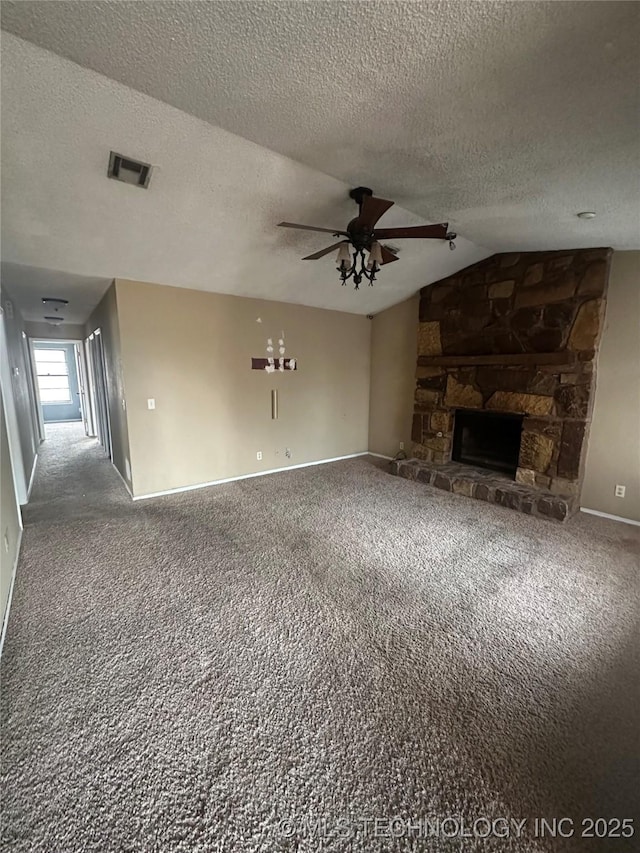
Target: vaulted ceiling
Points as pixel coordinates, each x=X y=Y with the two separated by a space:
x=505 y=119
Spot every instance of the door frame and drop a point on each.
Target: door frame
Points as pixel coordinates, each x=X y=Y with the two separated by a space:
x=98 y=373
x=37 y=408
x=72 y=364
x=20 y=484
x=32 y=385
x=83 y=387
x=79 y=356
x=92 y=404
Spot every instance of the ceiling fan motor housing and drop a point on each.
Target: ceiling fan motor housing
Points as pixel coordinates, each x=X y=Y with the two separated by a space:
x=360 y=235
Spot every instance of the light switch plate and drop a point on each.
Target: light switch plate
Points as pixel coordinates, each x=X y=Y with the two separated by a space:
x=151 y=403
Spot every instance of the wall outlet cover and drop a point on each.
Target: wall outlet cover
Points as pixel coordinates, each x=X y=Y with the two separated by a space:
x=259 y=456
x=151 y=403
x=620 y=491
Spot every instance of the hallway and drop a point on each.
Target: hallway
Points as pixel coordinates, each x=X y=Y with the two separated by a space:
x=74 y=479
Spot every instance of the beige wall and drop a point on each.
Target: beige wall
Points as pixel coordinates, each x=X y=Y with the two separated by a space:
x=191 y=351
x=393 y=365
x=105 y=318
x=19 y=364
x=613 y=451
x=11 y=525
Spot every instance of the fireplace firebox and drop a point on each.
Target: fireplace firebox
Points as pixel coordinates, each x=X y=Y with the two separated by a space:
x=487 y=440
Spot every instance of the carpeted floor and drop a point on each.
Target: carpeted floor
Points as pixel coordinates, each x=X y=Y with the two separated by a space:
x=273 y=664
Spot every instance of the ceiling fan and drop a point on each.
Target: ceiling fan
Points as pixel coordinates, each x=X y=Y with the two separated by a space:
x=363 y=236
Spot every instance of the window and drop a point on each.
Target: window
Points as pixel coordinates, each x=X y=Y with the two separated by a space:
x=53 y=376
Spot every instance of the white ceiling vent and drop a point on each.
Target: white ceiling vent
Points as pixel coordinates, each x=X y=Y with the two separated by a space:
x=129 y=171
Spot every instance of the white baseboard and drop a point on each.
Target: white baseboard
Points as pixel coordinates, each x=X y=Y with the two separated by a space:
x=5 y=620
x=126 y=485
x=608 y=515
x=379 y=455
x=246 y=476
x=32 y=477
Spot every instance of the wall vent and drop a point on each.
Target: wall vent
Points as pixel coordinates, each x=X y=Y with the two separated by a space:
x=129 y=171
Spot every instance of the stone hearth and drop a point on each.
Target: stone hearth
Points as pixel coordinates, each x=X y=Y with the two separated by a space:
x=516 y=333
x=485 y=486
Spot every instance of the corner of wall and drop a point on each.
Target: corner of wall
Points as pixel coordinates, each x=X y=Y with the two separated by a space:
x=391 y=382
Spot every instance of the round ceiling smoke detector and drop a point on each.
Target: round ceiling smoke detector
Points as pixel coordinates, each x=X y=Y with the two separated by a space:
x=586 y=214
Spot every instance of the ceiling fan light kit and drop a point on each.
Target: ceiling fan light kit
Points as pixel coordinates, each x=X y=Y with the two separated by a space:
x=361 y=267
x=363 y=239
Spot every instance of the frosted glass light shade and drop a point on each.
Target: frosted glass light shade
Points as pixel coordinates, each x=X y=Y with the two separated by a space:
x=375 y=253
x=344 y=256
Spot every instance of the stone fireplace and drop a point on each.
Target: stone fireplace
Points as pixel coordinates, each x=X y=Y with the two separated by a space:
x=516 y=337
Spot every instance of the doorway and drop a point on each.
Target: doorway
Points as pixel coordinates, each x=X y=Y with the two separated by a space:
x=60 y=377
x=58 y=384
x=97 y=387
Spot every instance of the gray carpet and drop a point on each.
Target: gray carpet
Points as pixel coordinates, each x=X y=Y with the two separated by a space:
x=272 y=664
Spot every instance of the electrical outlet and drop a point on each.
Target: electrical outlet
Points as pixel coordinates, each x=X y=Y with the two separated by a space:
x=620 y=490
x=6 y=542
x=402 y=445
x=259 y=456
x=287 y=453
x=151 y=403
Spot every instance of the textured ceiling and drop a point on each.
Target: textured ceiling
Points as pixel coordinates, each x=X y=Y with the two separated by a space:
x=208 y=219
x=27 y=286
x=504 y=118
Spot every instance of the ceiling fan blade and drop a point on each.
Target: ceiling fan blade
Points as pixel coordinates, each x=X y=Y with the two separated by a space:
x=438 y=232
x=324 y=252
x=372 y=209
x=312 y=228
x=387 y=256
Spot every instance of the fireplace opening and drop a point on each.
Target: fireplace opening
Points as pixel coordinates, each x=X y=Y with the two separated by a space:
x=487 y=440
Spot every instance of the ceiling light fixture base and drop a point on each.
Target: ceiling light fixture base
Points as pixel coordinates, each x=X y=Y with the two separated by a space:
x=358 y=194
